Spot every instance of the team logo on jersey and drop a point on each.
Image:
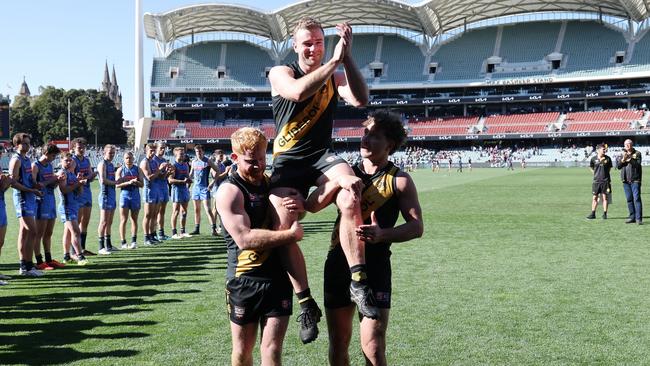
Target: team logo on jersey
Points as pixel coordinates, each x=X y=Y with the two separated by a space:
x=253 y=257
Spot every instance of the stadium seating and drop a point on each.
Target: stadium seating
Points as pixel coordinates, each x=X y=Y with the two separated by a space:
x=462 y=58
x=617 y=120
x=590 y=46
x=245 y=63
x=528 y=41
x=403 y=60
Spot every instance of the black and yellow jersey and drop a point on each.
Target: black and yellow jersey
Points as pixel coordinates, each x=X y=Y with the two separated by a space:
x=260 y=264
x=303 y=128
x=601 y=168
x=379 y=195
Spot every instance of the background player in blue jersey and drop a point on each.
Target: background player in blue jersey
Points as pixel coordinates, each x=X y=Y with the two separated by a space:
x=163 y=188
x=151 y=171
x=71 y=187
x=180 y=181
x=107 y=199
x=82 y=165
x=25 y=192
x=43 y=174
x=200 y=172
x=131 y=179
x=5 y=183
x=218 y=176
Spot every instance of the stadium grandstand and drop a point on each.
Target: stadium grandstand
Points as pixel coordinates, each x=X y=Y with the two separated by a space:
x=461 y=73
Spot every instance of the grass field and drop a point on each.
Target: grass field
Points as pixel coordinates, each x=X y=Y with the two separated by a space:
x=508 y=272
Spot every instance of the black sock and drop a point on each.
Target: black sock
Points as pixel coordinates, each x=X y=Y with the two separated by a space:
x=66 y=256
x=30 y=265
x=23 y=264
x=123 y=242
x=134 y=239
x=48 y=256
x=39 y=259
x=593 y=212
x=358 y=273
x=174 y=232
x=196 y=228
x=161 y=233
x=109 y=245
x=83 y=240
x=304 y=299
x=214 y=227
x=101 y=242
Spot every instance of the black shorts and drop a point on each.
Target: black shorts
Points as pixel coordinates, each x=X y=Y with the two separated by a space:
x=249 y=300
x=601 y=188
x=302 y=173
x=337 y=278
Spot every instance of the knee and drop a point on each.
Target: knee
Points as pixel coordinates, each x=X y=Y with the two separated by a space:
x=272 y=351
x=346 y=202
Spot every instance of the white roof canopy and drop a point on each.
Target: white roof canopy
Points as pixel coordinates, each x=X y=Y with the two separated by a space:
x=432 y=17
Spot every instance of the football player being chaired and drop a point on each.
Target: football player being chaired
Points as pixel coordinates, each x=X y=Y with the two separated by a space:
x=387 y=193
x=305 y=95
x=600 y=166
x=258 y=291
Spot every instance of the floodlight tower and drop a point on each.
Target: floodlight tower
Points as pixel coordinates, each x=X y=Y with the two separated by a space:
x=139 y=78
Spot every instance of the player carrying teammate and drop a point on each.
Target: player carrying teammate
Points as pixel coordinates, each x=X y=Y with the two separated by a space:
x=258 y=291
x=388 y=192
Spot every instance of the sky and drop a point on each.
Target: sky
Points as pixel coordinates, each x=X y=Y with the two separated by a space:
x=65 y=43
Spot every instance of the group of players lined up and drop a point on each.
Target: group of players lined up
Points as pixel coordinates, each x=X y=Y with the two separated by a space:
x=34 y=185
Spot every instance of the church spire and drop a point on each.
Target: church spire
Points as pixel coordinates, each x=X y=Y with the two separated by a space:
x=24 y=89
x=106 y=84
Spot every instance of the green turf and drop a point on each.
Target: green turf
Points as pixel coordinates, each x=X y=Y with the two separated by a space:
x=508 y=271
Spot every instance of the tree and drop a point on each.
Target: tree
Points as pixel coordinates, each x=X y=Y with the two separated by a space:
x=22 y=117
x=92 y=115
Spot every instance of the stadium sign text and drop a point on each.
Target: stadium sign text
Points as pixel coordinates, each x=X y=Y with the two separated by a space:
x=591 y=95
x=507 y=99
x=643 y=132
x=519 y=81
x=170 y=105
x=376 y=102
x=455 y=100
x=480 y=100
x=212 y=141
x=444 y=137
x=535 y=97
x=190 y=141
x=402 y=102
x=612 y=133
x=471 y=137
x=498 y=136
x=563 y=96
x=197 y=105
x=583 y=134
x=341 y=139
x=418 y=138
x=556 y=134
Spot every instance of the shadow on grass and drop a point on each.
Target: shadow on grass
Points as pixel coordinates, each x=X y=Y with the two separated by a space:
x=318 y=226
x=51 y=318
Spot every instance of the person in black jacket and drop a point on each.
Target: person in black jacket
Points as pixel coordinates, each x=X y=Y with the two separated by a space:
x=630 y=166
